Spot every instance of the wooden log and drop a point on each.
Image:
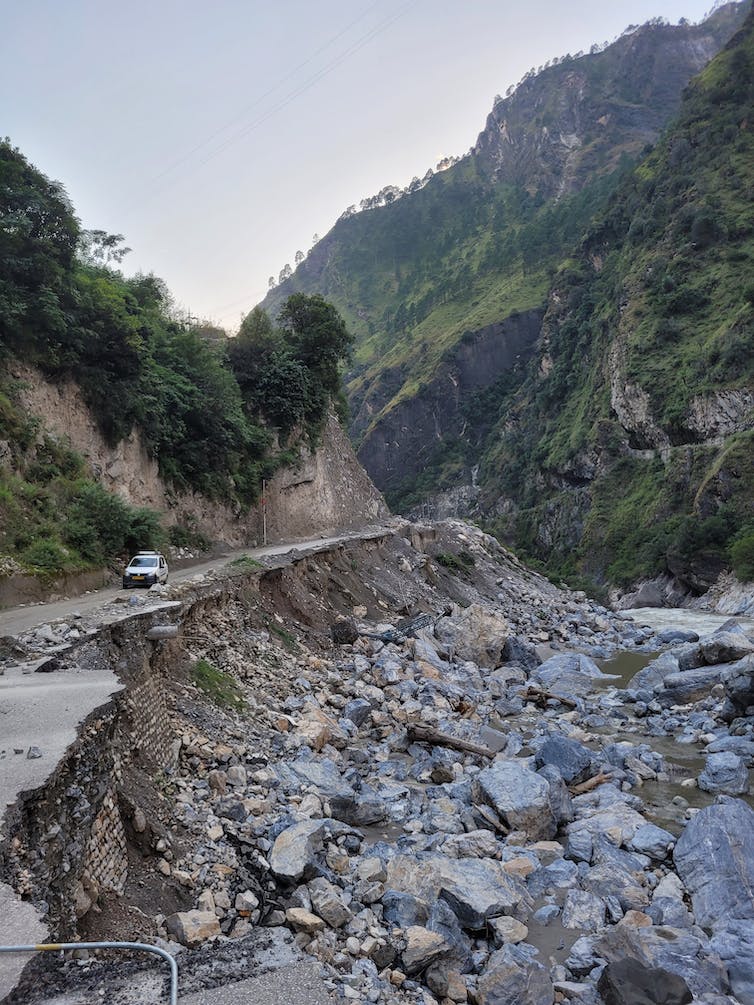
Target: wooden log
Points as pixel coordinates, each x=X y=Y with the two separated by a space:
x=539 y=694
x=590 y=783
x=426 y=734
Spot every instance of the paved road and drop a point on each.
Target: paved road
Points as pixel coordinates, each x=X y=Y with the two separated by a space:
x=15 y=620
x=296 y=985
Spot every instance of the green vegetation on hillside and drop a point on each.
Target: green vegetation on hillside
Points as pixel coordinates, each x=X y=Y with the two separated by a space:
x=53 y=518
x=219 y=416
x=659 y=301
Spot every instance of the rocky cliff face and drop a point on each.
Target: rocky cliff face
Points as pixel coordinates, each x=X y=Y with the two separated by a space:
x=326 y=490
x=399 y=442
x=561 y=124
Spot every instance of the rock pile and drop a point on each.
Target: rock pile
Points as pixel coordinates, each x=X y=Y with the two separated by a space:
x=452 y=818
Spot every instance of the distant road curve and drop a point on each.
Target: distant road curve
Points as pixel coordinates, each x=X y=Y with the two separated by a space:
x=15 y=620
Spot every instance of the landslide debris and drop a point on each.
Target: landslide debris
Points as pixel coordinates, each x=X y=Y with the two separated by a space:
x=335 y=818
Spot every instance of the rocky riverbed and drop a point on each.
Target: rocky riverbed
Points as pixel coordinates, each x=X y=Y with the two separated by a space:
x=462 y=811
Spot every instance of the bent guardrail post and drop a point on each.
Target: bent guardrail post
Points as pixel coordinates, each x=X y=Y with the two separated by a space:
x=46 y=947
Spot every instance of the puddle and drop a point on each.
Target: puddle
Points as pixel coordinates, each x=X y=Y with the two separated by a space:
x=553 y=941
x=377 y=833
x=623 y=666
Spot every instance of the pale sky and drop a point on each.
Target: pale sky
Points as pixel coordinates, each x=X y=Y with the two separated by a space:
x=219 y=137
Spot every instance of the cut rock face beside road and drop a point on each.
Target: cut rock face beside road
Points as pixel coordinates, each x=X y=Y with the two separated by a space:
x=476 y=810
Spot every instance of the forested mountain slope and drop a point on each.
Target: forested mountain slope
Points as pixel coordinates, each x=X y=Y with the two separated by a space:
x=629 y=450
x=215 y=418
x=457 y=269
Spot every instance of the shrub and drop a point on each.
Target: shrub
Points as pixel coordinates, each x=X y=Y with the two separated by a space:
x=46 y=556
x=742 y=556
x=188 y=537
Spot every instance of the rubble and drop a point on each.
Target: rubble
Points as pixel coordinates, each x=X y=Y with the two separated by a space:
x=418 y=812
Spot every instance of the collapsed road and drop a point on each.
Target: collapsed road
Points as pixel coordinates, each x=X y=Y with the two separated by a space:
x=471 y=811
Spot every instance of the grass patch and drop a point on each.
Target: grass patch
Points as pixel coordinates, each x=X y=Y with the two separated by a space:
x=221 y=689
x=285 y=637
x=245 y=563
x=457 y=564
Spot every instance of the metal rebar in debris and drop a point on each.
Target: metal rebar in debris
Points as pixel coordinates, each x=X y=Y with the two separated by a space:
x=46 y=947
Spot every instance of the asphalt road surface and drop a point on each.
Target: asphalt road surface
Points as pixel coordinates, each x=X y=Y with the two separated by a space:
x=15 y=620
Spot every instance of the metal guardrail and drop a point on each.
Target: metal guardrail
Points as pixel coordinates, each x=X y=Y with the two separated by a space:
x=47 y=947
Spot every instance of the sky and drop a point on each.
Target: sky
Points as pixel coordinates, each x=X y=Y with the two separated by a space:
x=220 y=137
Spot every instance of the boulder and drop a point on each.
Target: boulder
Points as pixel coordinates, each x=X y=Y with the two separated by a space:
x=654 y=673
x=629 y=982
x=584 y=911
x=572 y=759
x=653 y=841
x=358 y=711
x=715 y=859
x=669 y=635
x=523 y=653
x=725 y=647
x=672 y=950
x=404 y=909
x=192 y=928
x=690 y=685
x=739 y=689
x=295 y=853
x=569 y=675
x=513 y=976
x=304 y=921
x=327 y=902
x=422 y=948
x=475 y=634
x=474 y=844
x=520 y=797
x=475 y=889
x=725 y=772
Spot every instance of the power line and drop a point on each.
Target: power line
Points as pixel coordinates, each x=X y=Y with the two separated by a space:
x=297 y=92
x=218 y=132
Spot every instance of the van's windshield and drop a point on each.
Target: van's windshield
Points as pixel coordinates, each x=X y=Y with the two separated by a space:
x=143 y=561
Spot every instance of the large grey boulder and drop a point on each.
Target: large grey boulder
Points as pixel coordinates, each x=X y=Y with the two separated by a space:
x=520 y=797
x=725 y=772
x=690 y=685
x=725 y=647
x=739 y=689
x=476 y=634
x=674 y=950
x=513 y=976
x=653 y=841
x=715 y=859
x=475 y=889
x=296 y=852
x=569 y=674
x=584 y=911
x=572 y=759
x=655 y=672
x=629 y=982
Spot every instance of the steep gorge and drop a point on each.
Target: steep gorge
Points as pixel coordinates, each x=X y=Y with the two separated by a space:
x=478 y=242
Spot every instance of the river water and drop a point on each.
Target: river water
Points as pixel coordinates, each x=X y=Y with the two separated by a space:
x=667 y=797
x=702 y=622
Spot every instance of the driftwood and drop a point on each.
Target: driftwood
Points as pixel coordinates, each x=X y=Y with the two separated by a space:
x=590 y=783
x=538 y=694
x=426 y=734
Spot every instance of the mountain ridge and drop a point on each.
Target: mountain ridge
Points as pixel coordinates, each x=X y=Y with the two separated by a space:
x=475 y=244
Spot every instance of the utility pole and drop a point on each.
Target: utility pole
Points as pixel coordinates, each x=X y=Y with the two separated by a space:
x=264 y=512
